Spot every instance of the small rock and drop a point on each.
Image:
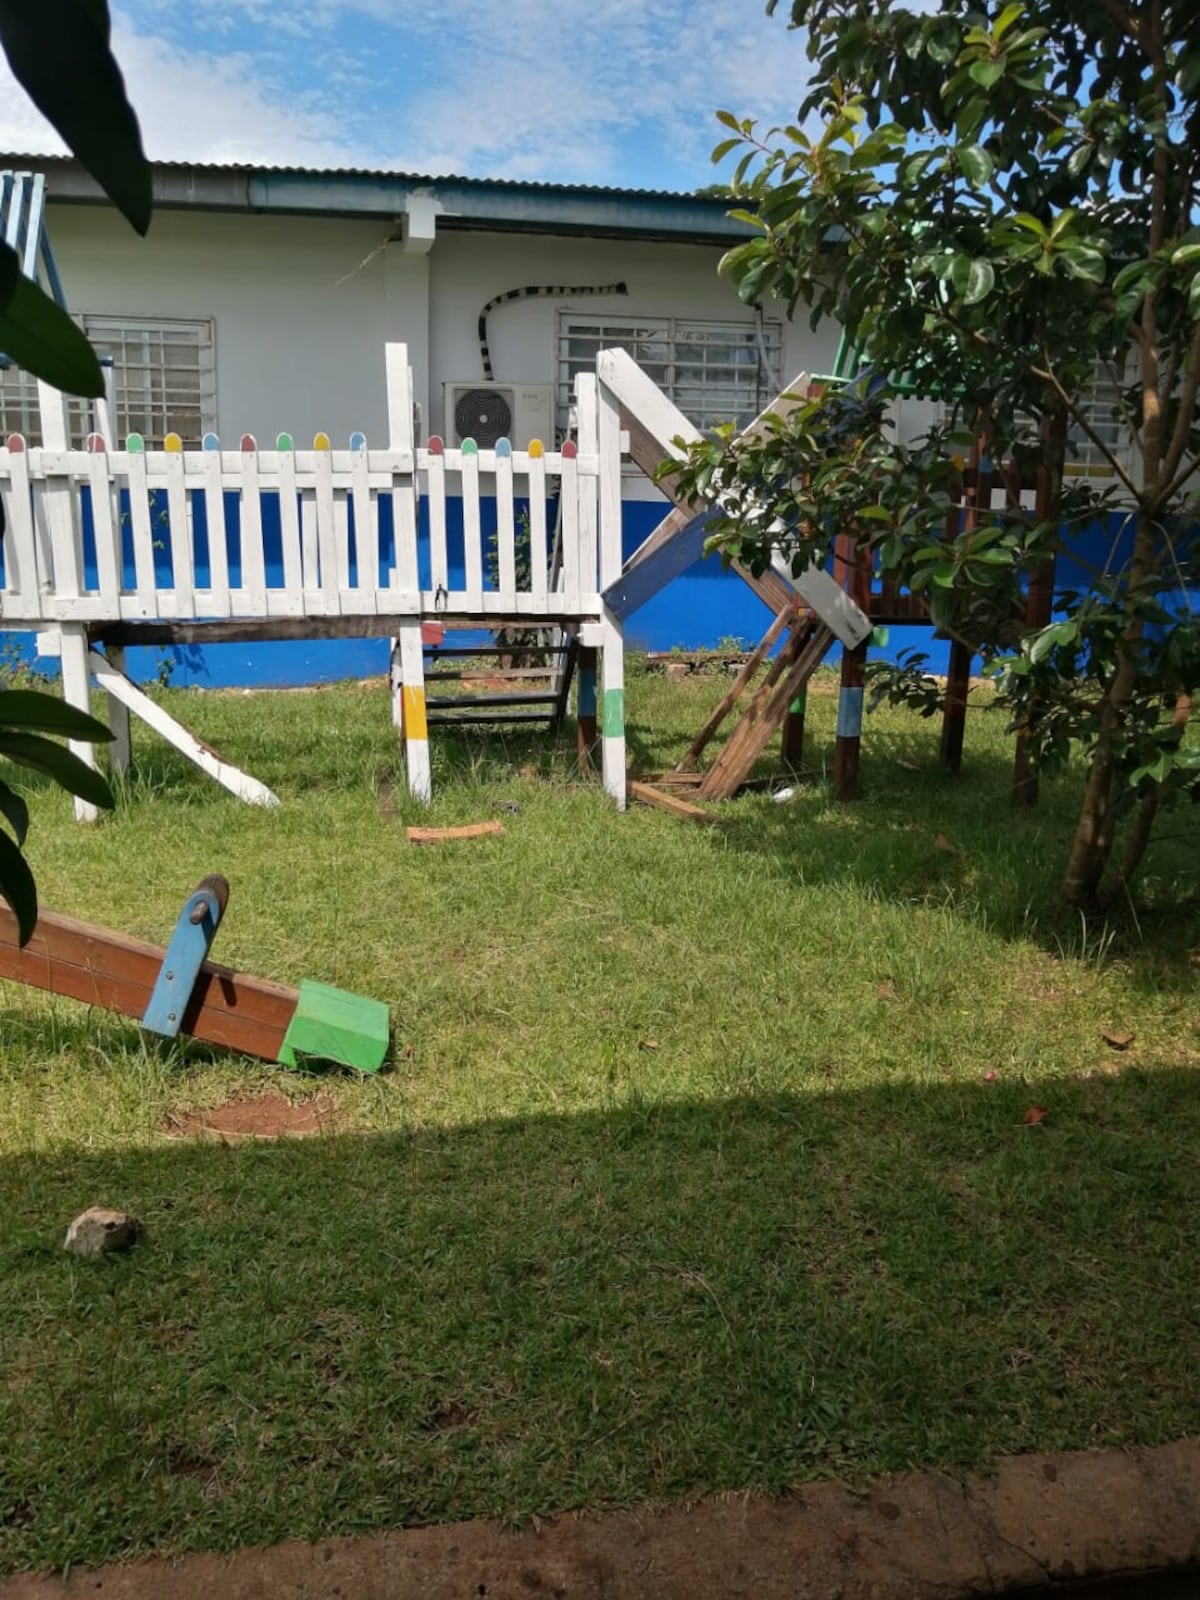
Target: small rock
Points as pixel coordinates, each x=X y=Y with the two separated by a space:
x=678 y=669
x=98 y=1232
x=782 y=796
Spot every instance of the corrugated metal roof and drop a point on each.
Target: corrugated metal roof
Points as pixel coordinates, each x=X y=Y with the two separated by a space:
x=488 y=204
x=276 y=169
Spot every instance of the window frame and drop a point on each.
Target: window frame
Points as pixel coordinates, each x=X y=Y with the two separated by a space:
x=668 y=330
x=105 y=330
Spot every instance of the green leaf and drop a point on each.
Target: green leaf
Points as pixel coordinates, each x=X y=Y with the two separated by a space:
x=1194 y=297
x=723 y=149
x=728 y=120
x=18 y=888
x=986 y=73
x=1185 y=253
x=64 y=766
x=1083 y=262
x=976 y=163
x=1010 y=14
x=58 y=50
x=47 y=713
x=15 y=812
x=39 y=336
x=973 y=280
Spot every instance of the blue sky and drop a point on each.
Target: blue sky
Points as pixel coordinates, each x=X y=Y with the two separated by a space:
x=611 y=92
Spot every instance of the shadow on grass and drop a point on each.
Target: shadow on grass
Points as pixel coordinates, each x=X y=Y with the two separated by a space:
x=641 y=1303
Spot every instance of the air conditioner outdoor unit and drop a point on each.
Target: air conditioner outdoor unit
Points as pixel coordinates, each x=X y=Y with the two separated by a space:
x=486 y=412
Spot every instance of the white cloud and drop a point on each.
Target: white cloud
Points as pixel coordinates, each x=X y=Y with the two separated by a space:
x=198 y=107
x=616 y=92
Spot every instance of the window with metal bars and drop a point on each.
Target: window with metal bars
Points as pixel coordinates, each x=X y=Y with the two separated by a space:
x=713 y=371
x=164 y=382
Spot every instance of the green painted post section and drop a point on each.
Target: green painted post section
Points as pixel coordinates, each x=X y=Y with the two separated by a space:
x=613 y=718
x=331 y=1025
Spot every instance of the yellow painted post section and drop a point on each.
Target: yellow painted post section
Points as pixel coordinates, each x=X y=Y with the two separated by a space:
x=412 y=713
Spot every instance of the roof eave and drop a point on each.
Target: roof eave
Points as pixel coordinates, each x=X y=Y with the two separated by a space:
x=462 y=203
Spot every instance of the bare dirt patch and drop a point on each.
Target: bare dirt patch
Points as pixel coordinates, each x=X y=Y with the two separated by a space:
x=260 y=1116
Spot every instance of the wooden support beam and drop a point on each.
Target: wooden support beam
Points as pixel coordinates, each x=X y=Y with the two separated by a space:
x=653 y=423
x=847 y=748
x=228 y=776
x=102 y=968
x=787 y=618
x=764 y=716
x=674 y=806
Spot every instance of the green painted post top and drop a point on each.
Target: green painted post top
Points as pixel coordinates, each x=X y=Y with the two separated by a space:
x=284 y=442
x=135 y=445
x=469 y=447
x=331 y=1025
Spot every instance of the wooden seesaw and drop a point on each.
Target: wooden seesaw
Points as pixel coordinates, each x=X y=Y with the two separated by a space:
x=178 y=990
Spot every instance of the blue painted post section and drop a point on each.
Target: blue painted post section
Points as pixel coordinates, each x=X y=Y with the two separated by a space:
x=632 y=589
x=186 y=954
x=585 y=705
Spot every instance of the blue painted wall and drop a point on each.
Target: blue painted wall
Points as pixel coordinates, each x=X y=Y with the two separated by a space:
x=699 y=609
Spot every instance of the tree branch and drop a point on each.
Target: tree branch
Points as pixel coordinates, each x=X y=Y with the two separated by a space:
x=1048 y=375
x=1187 y=408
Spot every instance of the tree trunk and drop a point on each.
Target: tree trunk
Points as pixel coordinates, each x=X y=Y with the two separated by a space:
x=1095 y=832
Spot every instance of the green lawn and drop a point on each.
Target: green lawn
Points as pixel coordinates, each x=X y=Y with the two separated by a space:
x=702 y=1164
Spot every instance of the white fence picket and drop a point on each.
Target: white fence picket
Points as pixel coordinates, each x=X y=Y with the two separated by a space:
x=107 y=530
x=439 y=569
x=472 y=526
x=179 y=527
x=506 y=544
x=538 y=553
x=217 y=602
x=23 y=583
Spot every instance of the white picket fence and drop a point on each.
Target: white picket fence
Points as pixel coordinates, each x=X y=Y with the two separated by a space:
x=195 y=524
x=110 y=535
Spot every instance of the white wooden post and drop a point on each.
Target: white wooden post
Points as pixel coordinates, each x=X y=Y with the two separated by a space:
x=408 y=660
x=408 y=707
x=67 y=559
x=612 y=715
x=76 y=692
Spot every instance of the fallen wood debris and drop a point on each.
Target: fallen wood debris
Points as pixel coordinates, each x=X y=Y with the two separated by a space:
x=651 y=796
x=469 y=830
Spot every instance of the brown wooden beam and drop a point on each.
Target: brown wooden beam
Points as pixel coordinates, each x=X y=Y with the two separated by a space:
x=101 y=968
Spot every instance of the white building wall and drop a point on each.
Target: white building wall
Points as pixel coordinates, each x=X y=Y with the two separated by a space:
x=303 y=306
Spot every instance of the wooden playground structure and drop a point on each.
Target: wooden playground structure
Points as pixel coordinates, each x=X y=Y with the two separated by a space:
x=112 y=546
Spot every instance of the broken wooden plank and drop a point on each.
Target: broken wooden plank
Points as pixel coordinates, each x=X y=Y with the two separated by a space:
x=468 y=830
x=785 y=619
x=674 y=806
x=765 y=714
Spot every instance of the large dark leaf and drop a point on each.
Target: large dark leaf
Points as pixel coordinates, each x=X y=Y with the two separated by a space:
x=34 y=712
x=10 y=273
x=18 y=888
x=15 y=812
x=67 y=770
x=59 y=51
x=39 y=336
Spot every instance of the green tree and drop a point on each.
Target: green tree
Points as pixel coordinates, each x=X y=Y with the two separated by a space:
x=994 y=200
x=59 y=51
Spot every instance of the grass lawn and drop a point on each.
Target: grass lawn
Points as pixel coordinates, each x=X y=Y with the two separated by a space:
x=702 y=1165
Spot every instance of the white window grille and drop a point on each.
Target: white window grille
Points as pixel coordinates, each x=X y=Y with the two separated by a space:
x=713 y=371
x=1102 y=404
x=165 y=382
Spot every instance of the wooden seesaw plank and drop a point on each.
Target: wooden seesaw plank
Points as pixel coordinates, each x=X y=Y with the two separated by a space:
x=103 y=968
